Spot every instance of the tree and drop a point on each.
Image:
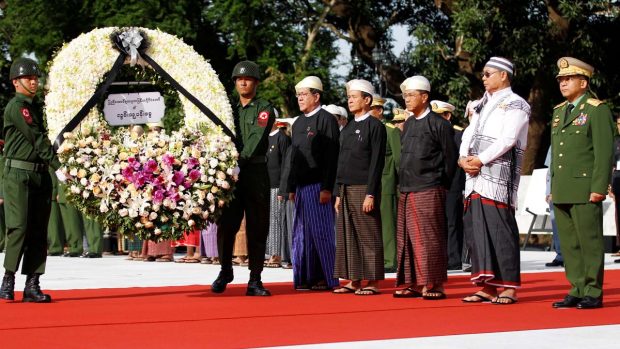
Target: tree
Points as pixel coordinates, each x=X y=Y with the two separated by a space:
x=284 y=37
x=452 y=50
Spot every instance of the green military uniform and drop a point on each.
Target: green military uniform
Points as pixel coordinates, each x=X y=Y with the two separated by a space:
x=2 y=225
x=582 y=156
x=55 y=230
x=94 y=237
x=72 y=224
x=251 y=194
x=389 y=198
x=27 y=186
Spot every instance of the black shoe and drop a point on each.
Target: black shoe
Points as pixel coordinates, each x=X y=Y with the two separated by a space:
x=71 y=254
x=8 y=286
x=223 y=279
x=617 y=261
x=455 y=267
x=91 y=255
x=32 y=291
x=255 y=288
x=590 y=303
x=554 y=263
x=568 y=302
x=467 y=268
x=54 y=254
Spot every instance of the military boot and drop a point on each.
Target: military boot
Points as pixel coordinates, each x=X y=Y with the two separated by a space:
x=224 y=278
x=32 y=291
x=255 y=287
x=8 y=286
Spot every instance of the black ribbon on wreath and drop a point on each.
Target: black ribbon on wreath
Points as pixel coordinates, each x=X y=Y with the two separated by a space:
x=132 y=42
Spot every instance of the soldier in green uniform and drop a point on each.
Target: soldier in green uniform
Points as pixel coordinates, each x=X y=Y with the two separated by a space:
x=94 y=238
x=27 y=184
x=389 y=184
x=55 y=230
x=253 y=118
x=72 y=224
x=2 y=225
x=582 y=138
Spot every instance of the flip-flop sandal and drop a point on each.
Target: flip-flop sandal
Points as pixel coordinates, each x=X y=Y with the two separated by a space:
x=272 y=265
x=480 y=298
x=164 y=259
x=192 y=260
x=206 y=261
x=407 y=293
x=367 y=291
x=511 y=300
x=149 y=259
x=437 y=295
x=287 y=266
x=344 y=290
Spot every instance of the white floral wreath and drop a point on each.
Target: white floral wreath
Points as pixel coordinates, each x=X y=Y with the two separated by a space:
x=80 y=65
x=151 y=186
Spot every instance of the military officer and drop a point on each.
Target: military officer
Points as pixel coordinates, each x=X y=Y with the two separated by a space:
x=389 y=183
x=582 y=138
x=27 y=184
x=55 y=230
x=454 y=197
x=2 y=225
x=253 y=118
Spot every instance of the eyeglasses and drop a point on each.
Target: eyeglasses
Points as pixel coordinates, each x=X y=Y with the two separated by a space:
x=303 y=94
x=411 y=95
x=569 y=78
x=487 y=74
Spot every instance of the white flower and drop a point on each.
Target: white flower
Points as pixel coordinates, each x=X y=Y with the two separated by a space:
x=153 y=216
x=213 y=162
x=123 y=212
x=191 y=223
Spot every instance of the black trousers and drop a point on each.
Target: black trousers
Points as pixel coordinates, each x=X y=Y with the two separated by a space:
x=454 y=215
x=251 y=197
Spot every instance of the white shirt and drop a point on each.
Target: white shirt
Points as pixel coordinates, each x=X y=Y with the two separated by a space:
x=501 y=124
x=423 y=115
x=313 y=112
x=361 y=118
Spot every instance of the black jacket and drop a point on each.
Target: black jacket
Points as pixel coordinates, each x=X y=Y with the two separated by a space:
x=429 y=155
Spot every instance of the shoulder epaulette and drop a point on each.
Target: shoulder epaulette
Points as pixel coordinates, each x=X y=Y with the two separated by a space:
x=387 y=124
x=593 y=101
x=559 y=105
x=457 y=127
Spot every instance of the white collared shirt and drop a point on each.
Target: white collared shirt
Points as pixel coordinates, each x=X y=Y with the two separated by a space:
x=362 y=118
x=423 y=115
x=313 y=112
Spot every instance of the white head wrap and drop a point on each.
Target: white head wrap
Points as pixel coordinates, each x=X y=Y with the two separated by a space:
x=417 y=82
x=309 y=82
x=360 y=85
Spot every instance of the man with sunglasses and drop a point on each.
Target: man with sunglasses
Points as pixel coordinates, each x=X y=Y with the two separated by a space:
x=491 y=154
x=582 y=143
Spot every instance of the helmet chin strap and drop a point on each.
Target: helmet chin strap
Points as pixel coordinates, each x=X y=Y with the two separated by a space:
x=26 y=88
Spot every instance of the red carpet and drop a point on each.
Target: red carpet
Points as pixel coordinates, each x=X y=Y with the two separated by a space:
x=193 y=317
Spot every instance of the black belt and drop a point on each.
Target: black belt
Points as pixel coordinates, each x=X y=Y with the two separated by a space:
x=257 y=160
x=26 y=165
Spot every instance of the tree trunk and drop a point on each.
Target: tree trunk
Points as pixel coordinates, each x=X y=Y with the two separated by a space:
x=536 y=140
